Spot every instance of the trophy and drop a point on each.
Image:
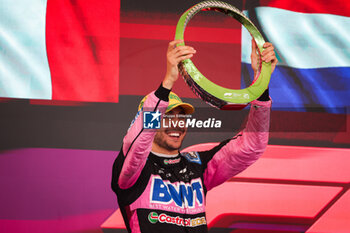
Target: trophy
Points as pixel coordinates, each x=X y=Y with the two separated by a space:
x=213 y=94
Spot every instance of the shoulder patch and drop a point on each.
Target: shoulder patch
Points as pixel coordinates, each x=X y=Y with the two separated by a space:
x=192 y=157
x=136 y=116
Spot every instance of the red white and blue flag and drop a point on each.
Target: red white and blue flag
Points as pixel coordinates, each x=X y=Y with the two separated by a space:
x=311 y=39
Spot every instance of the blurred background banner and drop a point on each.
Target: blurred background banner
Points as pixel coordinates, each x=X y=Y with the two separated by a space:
x=59 y=50
x=310 y=40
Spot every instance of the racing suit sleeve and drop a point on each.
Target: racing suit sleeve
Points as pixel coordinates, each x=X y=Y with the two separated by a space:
x=137 y=143
x=236 y=154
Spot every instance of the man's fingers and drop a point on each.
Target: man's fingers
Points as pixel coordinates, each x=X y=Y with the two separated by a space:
x=268 y=50
x=179 y=59
x=180 y=53
x=267 y=55
x=182 y=57
x=267 y=44
x=268 y=58
x=173 y=43
x=182 y=50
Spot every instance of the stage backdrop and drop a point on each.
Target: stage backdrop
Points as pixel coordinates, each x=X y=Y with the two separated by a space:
x=73 y=72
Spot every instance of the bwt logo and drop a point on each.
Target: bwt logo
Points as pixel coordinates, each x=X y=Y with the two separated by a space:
x=151 y=120
x=164 y=192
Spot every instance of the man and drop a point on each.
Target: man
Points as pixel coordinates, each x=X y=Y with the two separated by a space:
x=160 y=189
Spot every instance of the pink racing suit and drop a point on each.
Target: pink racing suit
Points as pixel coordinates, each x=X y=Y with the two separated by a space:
x=160 y=194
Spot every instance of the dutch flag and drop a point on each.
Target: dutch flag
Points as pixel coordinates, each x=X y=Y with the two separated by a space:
x=312 y=42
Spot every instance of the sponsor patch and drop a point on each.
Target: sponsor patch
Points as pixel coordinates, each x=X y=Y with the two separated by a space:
x=133 y=121
x=182 y=194
x=192 y=157
x=153 y=218
x=171 y=161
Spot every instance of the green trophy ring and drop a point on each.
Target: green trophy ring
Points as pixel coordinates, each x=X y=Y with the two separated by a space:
x=211 y=93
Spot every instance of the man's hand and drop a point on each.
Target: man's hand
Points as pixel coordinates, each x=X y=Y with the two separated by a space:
x=174 y=56
x=268 y=55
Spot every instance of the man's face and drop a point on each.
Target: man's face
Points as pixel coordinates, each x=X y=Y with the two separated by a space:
x=171 y=137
